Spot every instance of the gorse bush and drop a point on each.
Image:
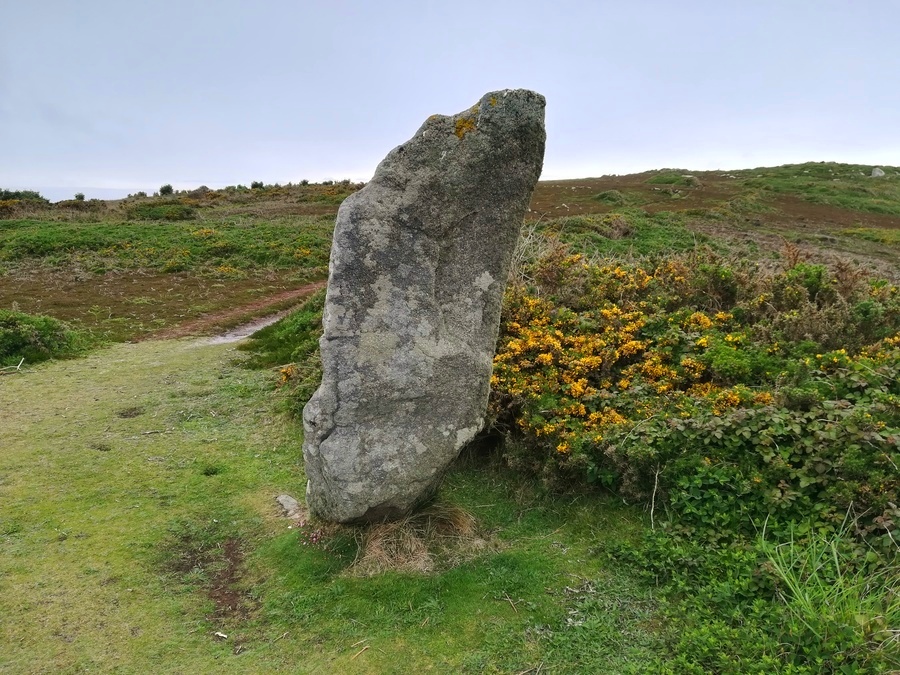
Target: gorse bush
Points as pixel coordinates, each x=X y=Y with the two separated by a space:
x=728 y=393
x=730 y=399
x=38 y=338
x=12 y=202
x=9 y=207
x=170 y=211
x=329 y=193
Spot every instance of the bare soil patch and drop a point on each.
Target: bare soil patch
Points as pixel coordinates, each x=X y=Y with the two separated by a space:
x=224 y=588
x=794 y=209
x=209 y=323
x=138 y=304
x=555 y=198
x=220 y=566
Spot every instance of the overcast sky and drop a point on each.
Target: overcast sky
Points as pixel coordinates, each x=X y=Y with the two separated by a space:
x=114 y=96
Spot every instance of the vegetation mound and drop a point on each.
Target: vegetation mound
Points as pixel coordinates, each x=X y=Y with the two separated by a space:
x=38 y=338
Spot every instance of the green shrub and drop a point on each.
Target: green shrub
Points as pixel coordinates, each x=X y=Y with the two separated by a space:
x=613 y=197
x=166 y=190
x=37 y=338
x=812 y=604
x=171 y=211
x=695 y=383
x=23 y=195
x=669 y=178
x=293 y=344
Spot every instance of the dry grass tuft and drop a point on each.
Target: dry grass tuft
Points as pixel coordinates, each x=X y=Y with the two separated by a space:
x=437 y=537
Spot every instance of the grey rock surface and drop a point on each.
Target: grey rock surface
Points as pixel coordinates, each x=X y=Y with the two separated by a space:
x=290 y=506
x=419 y=265
x=877 y=173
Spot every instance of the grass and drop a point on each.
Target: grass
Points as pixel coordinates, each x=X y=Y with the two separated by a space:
x=291 y=339
x=207 y=247
x=881 y=236
x=102 y=266
x=842 y=608
x=845 y=186
x=625 y=233
x=144 y=522
x=125 y=280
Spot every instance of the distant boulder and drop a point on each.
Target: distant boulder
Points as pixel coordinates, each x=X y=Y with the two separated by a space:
x=877 y=173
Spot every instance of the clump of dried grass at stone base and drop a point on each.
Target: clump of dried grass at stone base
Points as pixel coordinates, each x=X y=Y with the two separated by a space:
x=433 y=539
x=438 y=537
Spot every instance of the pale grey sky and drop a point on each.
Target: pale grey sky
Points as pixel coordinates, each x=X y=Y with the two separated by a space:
x=114 y=96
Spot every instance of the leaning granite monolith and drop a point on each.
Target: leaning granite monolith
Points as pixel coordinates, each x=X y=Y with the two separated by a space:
x=418 y=268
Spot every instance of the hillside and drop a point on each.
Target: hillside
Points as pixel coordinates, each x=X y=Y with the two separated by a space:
x=208 y=251
x=691 y=463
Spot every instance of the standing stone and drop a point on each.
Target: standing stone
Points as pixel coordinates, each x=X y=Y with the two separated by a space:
x=419 y=264
x=877 y=173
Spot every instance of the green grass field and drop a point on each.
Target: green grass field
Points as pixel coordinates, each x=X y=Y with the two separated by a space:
x=129 y=512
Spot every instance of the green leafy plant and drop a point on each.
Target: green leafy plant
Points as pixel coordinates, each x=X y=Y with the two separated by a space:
x=841 y=611
x=292 y=345
x=161 y=211
x=23 y=195
x=613 y=197
x=35 y=338
x=669 y=178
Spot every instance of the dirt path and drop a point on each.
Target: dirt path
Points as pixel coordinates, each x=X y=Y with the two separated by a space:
x=266 y=307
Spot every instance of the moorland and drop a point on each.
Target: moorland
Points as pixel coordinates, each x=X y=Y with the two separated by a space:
x=691 y=464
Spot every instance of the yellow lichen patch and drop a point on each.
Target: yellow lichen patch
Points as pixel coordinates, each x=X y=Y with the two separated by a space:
x=493 y=101
x=464 y=125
